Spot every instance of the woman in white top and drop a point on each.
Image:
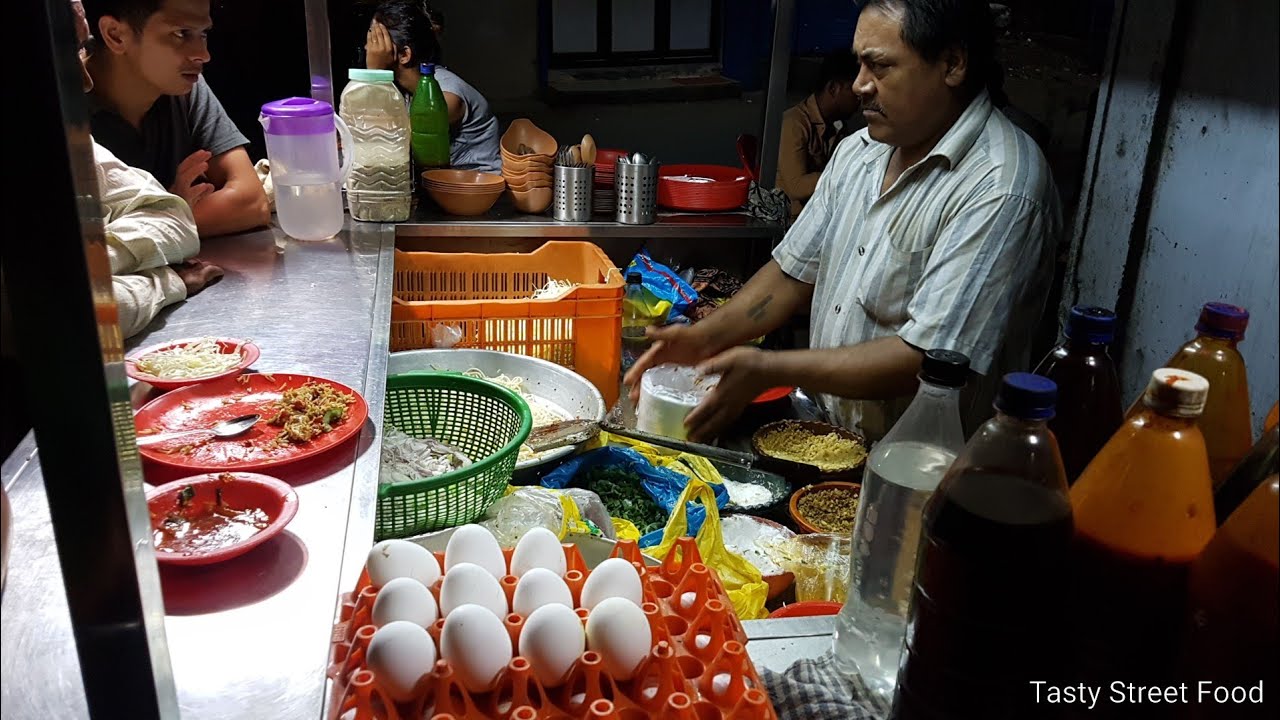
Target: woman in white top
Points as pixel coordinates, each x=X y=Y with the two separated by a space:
x=400 y=38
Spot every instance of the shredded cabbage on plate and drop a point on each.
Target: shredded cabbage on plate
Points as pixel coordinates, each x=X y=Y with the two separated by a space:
x=193 y=360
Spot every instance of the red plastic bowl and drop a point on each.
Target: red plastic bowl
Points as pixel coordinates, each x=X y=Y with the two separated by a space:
x=240 y=490
x=772 y=394
x=807 y=608
x=249 y=354
x=727 y=189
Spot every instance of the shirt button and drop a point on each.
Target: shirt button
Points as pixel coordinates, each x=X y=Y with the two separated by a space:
x=862 y=251
x=837 y=309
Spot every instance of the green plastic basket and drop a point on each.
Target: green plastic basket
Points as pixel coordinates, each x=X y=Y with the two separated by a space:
x=485 y=421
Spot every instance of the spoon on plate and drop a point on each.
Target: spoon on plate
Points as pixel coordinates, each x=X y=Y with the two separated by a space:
x=224 y=429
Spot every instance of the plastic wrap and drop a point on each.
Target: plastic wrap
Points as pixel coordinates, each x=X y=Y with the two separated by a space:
x=560 y=511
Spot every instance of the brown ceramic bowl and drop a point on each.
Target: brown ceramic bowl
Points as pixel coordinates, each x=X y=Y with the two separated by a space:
x=463 y=178
x=794 y=508
x=517 y=167
x=523 y=132
x=533 y=201
x=465 y=189
x=529 y=182
x=467 y=203
x=853 y=474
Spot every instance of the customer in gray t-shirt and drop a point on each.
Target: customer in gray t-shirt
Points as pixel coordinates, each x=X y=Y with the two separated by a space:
x=152 y=109
x=401 y=38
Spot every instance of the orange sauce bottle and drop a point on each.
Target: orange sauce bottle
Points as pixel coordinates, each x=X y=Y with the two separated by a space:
x=1143 y=512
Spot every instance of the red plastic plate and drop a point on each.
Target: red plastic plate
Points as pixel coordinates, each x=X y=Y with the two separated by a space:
x=240 y=491
x=772 y=394
x=202 y=406
x=249 y=354
x=727 y=189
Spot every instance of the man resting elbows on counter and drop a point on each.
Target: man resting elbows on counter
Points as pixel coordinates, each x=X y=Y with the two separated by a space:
x=152 y=108
x=934 y=227
x=151 y=235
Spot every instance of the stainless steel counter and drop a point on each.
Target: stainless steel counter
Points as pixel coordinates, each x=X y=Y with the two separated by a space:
x=247 y=638
x=775 y=644
x=503 y=221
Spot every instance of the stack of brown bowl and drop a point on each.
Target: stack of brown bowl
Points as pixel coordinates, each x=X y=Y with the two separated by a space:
x=528 y=156
x=463 y=192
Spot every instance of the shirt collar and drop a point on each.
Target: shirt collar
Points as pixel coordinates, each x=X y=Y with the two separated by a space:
x=810 y=108
x=959 y=138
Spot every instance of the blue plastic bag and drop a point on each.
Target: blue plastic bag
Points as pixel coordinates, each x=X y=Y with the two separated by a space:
x=662 y=485
x=663 y=283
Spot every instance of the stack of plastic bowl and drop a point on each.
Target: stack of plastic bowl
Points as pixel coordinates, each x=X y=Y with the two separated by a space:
x=463 y=192
x=604 y=195
x=528 y=156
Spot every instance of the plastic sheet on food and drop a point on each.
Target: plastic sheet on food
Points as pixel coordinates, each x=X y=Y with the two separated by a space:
x=563 y=512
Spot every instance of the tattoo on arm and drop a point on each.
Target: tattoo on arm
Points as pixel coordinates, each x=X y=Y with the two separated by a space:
x=757 y=312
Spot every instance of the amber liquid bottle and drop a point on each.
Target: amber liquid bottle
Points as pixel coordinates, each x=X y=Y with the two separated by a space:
x=988 y=605
x=1233 y=637
x=1226 y=423
x=1089 y=406
x=1143 y=513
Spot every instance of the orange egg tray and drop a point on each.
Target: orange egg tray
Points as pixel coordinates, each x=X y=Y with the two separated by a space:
x=697 y=669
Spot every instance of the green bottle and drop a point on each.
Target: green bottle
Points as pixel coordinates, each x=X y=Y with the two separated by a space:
x=429 y=119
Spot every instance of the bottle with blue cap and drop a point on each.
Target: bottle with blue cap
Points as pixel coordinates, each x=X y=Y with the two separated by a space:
x=988 y=609
x=429 y=119
x=1090 y=409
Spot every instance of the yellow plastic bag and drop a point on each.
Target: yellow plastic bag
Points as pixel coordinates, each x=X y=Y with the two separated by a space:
x=691 y=466
x=625 y=529
x=742 y=581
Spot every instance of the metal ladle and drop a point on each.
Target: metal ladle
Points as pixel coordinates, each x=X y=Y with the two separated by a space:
x=224 y=429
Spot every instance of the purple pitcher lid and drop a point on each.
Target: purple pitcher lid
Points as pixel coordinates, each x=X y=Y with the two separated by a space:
x=297 y=107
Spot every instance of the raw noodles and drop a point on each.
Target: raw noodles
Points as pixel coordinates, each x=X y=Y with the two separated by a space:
x=406 y=458
x=193 y=360
x=541 y=410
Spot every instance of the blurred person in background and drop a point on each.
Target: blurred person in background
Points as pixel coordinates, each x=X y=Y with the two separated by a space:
x=812 y=129
x=401 y=37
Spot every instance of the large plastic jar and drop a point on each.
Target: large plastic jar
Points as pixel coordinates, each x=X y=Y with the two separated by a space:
x=380 y=188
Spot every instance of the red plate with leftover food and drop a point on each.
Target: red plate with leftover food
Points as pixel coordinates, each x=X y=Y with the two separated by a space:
x=261 y=446
x=209 y=518
x=249 y=354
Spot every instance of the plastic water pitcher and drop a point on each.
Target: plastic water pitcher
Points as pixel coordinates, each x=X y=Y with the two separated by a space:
x=304 y=165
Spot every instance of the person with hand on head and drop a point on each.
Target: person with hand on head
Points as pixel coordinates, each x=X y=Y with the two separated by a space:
x=401 y=37
x=152 y=108
x=812 y=129
x=151 y=234
x=933 y=227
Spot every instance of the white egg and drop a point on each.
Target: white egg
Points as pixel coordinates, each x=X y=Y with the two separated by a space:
x=539 y=548
x=400 y=654
x=614 y=577
x=471 y=584
x=552 y=640
x=391 y=559
x=407 y=599
x=619 y=630
x=477 y=645
x=539 y=587
x=473 y=544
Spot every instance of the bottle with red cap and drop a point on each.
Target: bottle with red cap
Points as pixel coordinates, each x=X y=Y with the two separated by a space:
x=1089 y=406
x=1213 y=355
x=1143 y=512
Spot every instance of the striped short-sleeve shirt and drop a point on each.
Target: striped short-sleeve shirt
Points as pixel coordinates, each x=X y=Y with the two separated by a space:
x=957 y=254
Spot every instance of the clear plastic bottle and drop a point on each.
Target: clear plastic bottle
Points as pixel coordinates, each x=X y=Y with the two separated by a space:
x=903 y=471
x=635 y=322
x=1089 y=406
x=987 y=612
x=380 y=188
x=1227 y=424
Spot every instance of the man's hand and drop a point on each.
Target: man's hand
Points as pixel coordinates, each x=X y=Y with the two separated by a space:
x=379 y=51
x=678 y=344
x=197 y=275
x=190 y=170
x=745 y=372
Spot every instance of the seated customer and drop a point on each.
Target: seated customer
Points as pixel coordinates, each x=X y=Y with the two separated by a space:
x=153 y=110
x=812 y=129
x=400 y=38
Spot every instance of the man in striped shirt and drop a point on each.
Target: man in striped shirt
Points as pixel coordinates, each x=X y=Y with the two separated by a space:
x=934 y=227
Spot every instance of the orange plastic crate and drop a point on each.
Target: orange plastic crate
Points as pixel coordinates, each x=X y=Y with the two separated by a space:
x=487 y=298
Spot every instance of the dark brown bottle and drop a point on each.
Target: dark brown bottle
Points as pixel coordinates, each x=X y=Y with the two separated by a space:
x=1089 y=407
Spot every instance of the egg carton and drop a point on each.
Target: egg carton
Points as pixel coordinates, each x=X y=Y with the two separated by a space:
x=697 y=667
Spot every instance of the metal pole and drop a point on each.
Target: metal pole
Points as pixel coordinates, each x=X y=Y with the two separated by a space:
x=58 y=281
x=318 y=56
x=775 y=101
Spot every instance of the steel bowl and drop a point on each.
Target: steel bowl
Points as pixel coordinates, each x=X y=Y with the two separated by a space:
x=559 y=385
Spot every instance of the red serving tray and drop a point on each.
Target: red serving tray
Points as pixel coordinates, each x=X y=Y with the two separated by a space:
x=202 y=406
x=249 y=354
x=726 y=191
